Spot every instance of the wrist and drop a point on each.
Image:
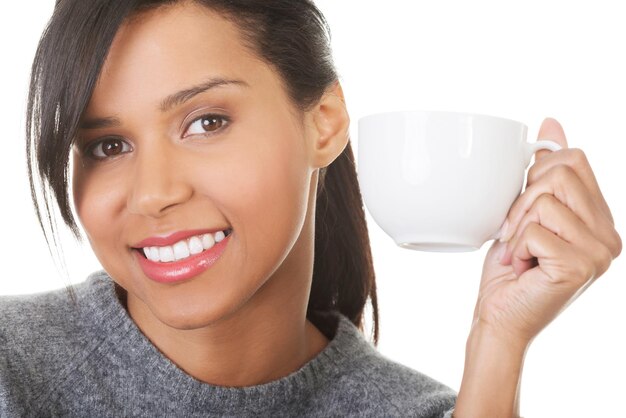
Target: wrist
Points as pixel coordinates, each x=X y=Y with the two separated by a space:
x=492 y=374
x=501 y=343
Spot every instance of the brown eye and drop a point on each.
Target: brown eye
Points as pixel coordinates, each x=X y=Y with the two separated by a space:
x=206 y=124
x=112 y=147
x=108 y=148
x=211 y=123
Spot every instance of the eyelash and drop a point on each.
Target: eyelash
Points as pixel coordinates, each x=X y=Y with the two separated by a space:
x=223 y=118
x=93 y=146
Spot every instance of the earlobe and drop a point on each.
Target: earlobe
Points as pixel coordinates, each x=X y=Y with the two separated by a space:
x=331 y=123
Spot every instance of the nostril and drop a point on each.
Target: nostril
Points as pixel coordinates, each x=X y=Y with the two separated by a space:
x=157 y=188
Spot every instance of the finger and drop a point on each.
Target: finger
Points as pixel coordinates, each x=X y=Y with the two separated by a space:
x=563 y=183
x=576 y=159
x=551 y=214
x=550 y=130
x=562 y=263
x=537 y=242
x=562 y=272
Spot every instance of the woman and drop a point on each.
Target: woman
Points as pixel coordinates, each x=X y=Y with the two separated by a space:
x=213 y=176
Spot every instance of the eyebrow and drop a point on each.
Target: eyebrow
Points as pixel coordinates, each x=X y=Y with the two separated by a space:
x=169 y=102
x=185 y=95
x=99 y=123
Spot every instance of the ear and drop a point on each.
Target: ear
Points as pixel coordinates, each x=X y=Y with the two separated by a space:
x=328 y=128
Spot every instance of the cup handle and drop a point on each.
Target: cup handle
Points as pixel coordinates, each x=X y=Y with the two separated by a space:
x=532 y=148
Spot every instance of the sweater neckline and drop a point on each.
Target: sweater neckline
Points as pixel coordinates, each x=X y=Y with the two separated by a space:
x=117 y=335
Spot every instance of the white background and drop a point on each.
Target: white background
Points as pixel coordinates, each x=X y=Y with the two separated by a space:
x=521 y=60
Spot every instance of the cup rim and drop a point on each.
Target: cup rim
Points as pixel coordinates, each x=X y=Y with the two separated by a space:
x=440 y=112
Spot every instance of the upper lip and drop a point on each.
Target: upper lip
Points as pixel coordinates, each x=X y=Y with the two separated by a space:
x=174 y=237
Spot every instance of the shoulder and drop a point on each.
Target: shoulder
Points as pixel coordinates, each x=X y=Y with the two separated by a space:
x=377 y=385
x=405 y=390
x=58 y=316
x=48 y=317
x=40 y=337
x=53 y=325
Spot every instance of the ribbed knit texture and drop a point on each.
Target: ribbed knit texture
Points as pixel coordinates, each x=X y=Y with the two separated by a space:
x=89 y=359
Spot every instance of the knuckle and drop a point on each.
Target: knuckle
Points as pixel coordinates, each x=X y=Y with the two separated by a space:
x=603 y=260
x=617 y=244
x=584 y=268
x=532 y=229
x=562 y=173
x=579 y=158
x=545 y=200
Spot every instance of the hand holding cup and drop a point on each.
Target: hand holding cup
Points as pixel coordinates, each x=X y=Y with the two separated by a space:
x=560 y=238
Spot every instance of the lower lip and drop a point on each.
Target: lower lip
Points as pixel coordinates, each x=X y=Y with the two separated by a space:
x=186 y=269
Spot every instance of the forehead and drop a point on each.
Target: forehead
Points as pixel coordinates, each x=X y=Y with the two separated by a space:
x=169 y=48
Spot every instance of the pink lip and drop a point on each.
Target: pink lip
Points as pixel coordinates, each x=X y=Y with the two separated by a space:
x=173 y=238
x=188 y=268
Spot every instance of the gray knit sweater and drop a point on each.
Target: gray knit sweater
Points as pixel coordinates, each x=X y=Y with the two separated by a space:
x=89 y=359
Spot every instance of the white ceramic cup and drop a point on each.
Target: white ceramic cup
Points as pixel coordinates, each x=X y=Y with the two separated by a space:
x=442 y=181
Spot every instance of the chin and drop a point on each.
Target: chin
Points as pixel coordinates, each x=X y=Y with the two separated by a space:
x=190 y=318
x=196 y=313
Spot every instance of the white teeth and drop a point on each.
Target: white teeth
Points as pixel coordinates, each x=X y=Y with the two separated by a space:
x=195 y=245
x=183 y=249
x=154 y=254
x=207 y=241
x=166 y=254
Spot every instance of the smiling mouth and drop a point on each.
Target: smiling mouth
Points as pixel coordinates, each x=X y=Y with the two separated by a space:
x=183 y=249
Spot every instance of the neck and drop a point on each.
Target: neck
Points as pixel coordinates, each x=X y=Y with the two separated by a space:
x=239 y=350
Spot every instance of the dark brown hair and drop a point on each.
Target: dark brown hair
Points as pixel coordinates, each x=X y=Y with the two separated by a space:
x=290 y=35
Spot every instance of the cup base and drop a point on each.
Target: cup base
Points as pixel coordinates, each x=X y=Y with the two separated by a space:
x=438 y=247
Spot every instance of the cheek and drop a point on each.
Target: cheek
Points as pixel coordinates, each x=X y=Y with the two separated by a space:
x=263 y=189
x=274 y=184
x=99 y=202
x=285 y=196
x=279 y=197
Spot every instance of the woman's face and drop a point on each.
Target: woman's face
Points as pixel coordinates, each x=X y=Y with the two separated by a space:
x=187 y=131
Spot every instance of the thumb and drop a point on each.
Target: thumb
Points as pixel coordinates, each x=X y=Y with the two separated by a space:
x=551 y=130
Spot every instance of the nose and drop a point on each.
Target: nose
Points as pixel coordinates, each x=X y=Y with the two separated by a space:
x=159 y=182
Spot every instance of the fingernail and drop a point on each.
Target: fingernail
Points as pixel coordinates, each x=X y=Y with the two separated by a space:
x=504 y=231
